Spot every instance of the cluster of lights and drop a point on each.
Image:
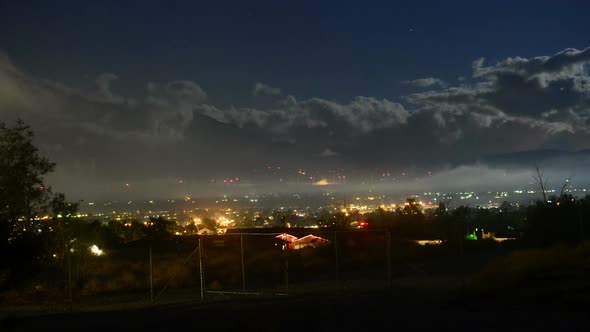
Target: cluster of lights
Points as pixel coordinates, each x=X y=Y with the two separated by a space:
x=231 y=180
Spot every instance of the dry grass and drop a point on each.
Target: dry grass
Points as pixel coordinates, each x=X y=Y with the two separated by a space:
x=512 y=270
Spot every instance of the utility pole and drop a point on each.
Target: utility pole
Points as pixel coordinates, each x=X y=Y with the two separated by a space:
x=286 y=267
x=201 y=272
x=389 y=279
x=70 y=278
x=151 y=277
x=582 y=235
x=243 y=267
x=336 y=254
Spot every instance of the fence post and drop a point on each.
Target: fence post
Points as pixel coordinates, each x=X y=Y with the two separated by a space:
x=337 y=256
x=582 y=235
x=201 y=272
x=243 y=267
x=286 y=267
x=151 y=277
x=389 y=280
x=70 y=278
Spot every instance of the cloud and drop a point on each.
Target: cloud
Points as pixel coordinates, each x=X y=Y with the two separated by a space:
x=162 y=113
x=361 y=115
x=119 y=134
x=329 y=153
x=104 y=87
x=563 y=64
x=551 y=93
x=264 y=89
x=426 y=82
x=107 y=136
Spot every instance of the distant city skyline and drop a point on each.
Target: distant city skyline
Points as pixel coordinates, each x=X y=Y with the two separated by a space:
x=161 y=101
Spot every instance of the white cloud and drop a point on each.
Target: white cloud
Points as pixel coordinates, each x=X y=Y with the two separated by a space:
x=548 y=92
x=361 y=115
x=265 y=89
x=329 y=153
x=426 y=82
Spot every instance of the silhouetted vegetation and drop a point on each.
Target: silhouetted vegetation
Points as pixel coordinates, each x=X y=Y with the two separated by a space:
x=23 y=196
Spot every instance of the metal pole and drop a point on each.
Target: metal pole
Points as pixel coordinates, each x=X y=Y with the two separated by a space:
x=337 y=256
x=462 y=235
x=243 y=268
x=201 y=272
x=286 y=267
x=582 y=235
x=151 y=277
x=70 y=278
x=389 y=258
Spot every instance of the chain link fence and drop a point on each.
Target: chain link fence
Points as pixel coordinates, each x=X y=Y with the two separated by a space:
x=211 y=267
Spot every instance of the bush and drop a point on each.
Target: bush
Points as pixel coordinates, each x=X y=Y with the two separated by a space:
x=512 y=270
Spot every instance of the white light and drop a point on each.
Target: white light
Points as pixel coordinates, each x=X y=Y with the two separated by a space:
x=95 y=250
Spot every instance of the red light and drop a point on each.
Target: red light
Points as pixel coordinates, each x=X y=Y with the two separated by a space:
x=237 y=179
x=232 y=181
x=41 y=188
x=224 y=181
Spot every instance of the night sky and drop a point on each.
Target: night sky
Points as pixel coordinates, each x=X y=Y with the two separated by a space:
x=169 y=96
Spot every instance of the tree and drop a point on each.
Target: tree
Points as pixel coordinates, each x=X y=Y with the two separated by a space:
x=22 y=192
x=541 y=181
x=459 y=223
x=24 y=240
x=191 y=228
x=61 y=229
x=556 y=222
x=135 y=231
x=441 y=210
x=210 y=224
x=160 y=228
x=412 y=207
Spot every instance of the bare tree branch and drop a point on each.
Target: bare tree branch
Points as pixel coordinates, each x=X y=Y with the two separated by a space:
x=541 y=181
x=563 y=188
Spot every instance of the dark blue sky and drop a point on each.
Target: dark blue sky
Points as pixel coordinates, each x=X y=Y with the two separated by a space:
x=149 y=92
x=336 y=50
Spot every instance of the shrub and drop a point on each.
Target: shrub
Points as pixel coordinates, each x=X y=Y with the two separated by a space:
x=512 y=270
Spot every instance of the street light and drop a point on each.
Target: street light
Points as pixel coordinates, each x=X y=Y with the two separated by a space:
x=94 y=249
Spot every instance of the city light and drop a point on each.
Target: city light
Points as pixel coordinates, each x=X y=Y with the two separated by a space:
x=95 y=250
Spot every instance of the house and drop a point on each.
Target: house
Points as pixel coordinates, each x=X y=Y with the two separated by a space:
x=309 y=241
x=287 y=237
x=304 y=242
x=206 y=231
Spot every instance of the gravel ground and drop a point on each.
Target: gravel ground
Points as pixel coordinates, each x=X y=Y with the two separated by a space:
x=398 y=308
